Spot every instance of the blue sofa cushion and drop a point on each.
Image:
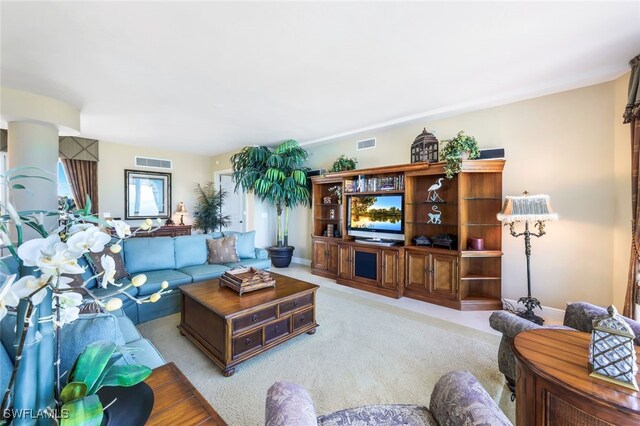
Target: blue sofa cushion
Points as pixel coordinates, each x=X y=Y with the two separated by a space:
x=204 y=272
x=141 y=352
x=6 y=367
x=191 y=249
x=149 y=254
x=85 y=330
x=245 y=243
x=256 y=263
x=155 y=278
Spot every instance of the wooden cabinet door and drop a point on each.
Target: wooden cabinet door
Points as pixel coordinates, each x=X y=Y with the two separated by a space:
x=344 y=261
x=332 y=257
x=444 y=276
x=320 y=254
x=417 y=277
x=389 y=272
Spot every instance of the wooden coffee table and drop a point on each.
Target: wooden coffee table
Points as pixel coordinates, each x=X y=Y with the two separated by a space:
x=553 y=386
x=231 y=329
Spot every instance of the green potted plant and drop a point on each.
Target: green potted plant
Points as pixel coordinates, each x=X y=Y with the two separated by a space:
x=457 y=149
x=279 y=177
x=208 y=209
x=343 y=163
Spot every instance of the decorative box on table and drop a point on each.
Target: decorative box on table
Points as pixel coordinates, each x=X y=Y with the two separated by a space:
x=244 y=280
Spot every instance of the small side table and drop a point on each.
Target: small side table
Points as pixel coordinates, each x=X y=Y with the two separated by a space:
x=177 y=402
x=553 y=385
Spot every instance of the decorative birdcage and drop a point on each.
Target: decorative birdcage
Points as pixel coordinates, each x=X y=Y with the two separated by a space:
x=424 y=148
x=612 y=355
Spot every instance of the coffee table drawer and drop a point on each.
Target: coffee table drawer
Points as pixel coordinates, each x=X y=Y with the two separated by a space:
x=246 y=343
x=302 y=319
x=277 y=329
x=296 y=303
x=249 y=320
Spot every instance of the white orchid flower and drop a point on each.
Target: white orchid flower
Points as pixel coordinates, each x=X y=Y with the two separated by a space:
x=91 y=239
x=109 y=266
x=144 y=226
x=113 y=304
x=68 y=315
x=78 y=227
x=32 y=250
x=13 y=214
x=122 y=229
x=59 y=260
x=7 y=296
x=115 y=248
x=28 y=284
x=148 y=222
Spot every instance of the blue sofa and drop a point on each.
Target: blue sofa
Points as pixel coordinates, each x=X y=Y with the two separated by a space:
x=179 y=261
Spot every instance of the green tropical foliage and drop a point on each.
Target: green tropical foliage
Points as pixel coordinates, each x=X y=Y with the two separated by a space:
x=207 y=211
x=343 y=163
x=94 y=368
x=277 y=176
x=452 y=152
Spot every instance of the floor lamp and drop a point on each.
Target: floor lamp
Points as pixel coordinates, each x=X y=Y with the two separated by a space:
x=534 y=209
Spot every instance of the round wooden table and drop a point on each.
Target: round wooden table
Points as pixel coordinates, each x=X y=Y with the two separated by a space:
x=553 y=386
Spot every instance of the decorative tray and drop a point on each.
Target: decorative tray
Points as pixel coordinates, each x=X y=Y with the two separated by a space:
x=244 y=280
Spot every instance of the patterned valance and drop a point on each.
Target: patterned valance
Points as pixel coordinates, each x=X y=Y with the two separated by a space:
x=70 y=147
x=75 y=148
x=632 y=111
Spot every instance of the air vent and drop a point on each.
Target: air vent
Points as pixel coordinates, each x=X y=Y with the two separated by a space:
x=154 y=163
x=366 y=144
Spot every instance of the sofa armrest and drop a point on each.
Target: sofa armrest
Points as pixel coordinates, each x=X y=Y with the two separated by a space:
x=261 y=253
x=510 y=324
x=580 y=315
x=289 y=404
x=458 y=399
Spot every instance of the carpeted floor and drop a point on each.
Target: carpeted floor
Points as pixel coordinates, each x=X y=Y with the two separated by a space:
x=364 y=352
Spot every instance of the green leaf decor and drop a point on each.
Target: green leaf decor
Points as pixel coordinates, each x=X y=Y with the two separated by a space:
x=82 y=412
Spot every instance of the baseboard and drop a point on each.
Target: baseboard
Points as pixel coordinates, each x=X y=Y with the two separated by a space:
x=301 y=261
x=553 y=315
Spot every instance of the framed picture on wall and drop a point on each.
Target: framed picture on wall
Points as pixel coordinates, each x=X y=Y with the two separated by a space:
x=147 y=195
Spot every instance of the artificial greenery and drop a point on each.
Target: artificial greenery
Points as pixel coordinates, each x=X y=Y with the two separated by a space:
x=343 y=164
x=207 y=214
x=277 y=176
x=94 y=368
x=453 y=150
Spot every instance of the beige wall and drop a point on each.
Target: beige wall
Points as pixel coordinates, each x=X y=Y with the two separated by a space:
x=622 y=176
x=188 y=169
x=569 y=145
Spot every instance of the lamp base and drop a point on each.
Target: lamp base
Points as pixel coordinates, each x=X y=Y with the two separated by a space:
x=530 y=316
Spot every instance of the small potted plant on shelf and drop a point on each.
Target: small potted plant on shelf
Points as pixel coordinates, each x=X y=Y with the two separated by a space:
x=343 y=164
x=279 y=177
x=457 y=149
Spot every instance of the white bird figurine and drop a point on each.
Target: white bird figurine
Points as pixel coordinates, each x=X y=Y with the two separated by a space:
x=432 y=194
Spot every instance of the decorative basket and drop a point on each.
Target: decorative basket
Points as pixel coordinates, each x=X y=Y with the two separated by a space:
x=244 y=280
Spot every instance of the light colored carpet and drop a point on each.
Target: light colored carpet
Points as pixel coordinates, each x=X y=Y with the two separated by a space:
x=364 y=352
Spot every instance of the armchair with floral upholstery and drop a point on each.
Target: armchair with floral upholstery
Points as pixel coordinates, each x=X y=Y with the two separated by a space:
x=577 y=316
x=458 y=399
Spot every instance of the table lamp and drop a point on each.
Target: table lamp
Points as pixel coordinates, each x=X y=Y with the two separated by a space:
x=182 y=210
x=528 y=209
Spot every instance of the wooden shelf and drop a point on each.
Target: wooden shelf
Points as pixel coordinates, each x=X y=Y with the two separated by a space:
x=482 y=198
x=481 y=253
x=391 y=191
x=473 y=277
x=328 y=204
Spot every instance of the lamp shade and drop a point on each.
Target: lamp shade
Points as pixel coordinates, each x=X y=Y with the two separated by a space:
x=181 y=208
x=527 y=208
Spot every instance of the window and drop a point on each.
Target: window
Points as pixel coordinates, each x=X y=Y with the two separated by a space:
x=65 y=196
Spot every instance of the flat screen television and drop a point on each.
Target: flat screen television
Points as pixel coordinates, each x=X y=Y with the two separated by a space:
x=376 y=216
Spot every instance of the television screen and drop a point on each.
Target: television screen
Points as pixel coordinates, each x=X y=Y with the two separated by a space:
x=376 y=213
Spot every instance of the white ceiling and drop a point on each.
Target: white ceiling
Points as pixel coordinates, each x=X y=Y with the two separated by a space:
x=209 y=77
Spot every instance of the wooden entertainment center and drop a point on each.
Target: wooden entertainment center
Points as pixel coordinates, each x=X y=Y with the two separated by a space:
x=450 y=274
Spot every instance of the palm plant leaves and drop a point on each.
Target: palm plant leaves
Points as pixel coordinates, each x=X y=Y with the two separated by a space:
x=208 y=208
x=277 y=176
